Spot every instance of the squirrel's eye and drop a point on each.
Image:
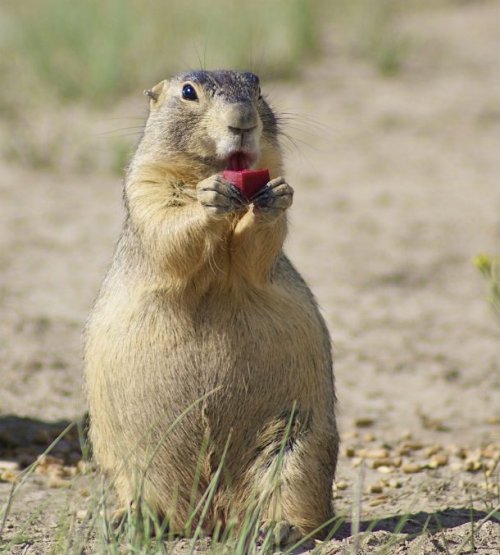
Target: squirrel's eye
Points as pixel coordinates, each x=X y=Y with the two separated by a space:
x=188 y=93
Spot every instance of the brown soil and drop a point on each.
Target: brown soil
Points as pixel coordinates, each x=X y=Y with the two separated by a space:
x=397 y=189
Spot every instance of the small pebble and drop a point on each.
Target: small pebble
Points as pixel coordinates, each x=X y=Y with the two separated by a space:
x=49 y=459
x=411 y=468
x=471 y=465
x=373 y=453
x=412 y=445
x=56 y=482
x=376 y=488
x=341 y=485
x=440 y=459
x=386 y=461
x=9 y=476
x=432 y=450
x=384 y=469
x=394 y=484
x=9 y=465
x=49 y=465
x=70 y=471
x=349 y=452
x=364 y=422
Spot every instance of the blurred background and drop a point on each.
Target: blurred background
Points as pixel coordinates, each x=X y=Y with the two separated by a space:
x=94 y=55
x=392 y=144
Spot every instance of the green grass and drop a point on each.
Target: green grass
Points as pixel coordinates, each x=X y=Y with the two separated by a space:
x=97 y=51
x=369 y=29
x=489 y=266
x=140 y=532
x=58 y=55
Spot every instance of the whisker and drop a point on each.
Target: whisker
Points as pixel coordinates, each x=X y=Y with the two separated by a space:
x=108 y=135
x=135 y=128
x=295 y=140
x=306 y=124
x=290 y=145
x=125 y=117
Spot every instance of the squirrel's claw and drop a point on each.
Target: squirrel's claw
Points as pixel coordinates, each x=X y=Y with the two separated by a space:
x=220 y=197
x=276 y=195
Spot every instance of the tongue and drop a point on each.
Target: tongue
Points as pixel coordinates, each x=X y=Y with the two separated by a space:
x=237 y=162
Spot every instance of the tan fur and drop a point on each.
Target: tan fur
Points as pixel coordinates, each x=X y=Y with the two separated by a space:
x=202 y=310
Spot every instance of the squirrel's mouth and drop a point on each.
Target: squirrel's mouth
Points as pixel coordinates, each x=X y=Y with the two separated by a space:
x=239 y=161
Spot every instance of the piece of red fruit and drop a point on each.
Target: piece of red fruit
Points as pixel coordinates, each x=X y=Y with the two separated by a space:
x=249 y=182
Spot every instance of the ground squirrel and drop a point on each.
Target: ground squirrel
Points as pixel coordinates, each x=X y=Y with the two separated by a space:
x=201 y=310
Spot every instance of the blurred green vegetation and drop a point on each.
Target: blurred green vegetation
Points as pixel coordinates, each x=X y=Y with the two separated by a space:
x=370 y=29
x=489 y=266
x=96 y=50
x=59 y=56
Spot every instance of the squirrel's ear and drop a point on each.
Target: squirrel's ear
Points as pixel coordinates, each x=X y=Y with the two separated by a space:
x=155 y=93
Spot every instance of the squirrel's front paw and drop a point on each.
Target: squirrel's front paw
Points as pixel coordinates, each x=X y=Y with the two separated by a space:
x=220 y=197
x=274 y=198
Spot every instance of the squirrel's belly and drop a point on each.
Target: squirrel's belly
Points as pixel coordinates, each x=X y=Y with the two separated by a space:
x=225 y=367
x=274 y=343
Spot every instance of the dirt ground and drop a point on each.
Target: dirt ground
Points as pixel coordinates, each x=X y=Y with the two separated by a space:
x=397 y=188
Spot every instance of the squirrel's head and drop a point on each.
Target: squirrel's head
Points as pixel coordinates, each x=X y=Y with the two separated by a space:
x=217 y=118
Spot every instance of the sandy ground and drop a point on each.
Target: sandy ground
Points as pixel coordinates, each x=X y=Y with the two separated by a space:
x=397 y=189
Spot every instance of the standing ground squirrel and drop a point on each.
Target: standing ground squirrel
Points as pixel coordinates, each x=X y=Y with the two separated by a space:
x=205 y=348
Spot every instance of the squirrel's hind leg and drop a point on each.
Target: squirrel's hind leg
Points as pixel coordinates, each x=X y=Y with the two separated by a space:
x=291 y=478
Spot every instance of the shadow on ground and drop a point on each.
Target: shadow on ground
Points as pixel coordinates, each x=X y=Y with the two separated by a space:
x=23 y=440
x=418 y=523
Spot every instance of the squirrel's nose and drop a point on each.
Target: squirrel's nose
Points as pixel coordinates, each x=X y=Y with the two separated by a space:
x=240 y=130
x=241 y=118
